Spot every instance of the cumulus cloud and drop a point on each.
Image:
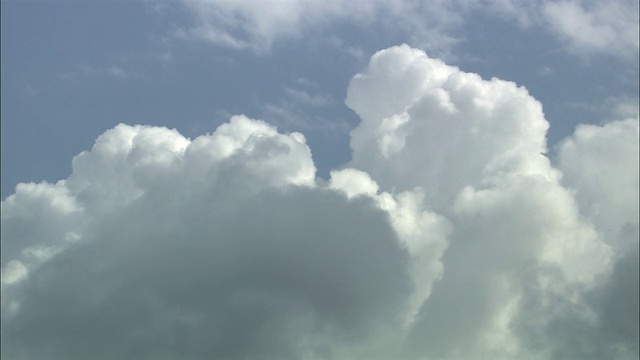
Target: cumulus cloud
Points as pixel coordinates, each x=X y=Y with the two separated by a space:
x=460 y=129
x=476 y=149
x=220 y=246
x=600 y=164
x=450 y=234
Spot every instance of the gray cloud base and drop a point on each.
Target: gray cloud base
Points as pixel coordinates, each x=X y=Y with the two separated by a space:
x=279 y=273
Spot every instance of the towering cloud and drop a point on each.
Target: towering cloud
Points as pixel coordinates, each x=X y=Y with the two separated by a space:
x=449 y=235
x=476 y=148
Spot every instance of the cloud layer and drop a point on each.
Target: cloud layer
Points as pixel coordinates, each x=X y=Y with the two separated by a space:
x=258 y=26
x=449 y=235
x=584 y=27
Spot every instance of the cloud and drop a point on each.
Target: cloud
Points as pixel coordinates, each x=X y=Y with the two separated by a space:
x=520 y=245
x=623 y=106
x=298 y=101
x=246 y=24
x=585 y=27
x=589 y=26
x=85 y=70
x=258 y=26
x=450 y=234
x=273 y=276
x=117 y=72
x=613 y=107
x=221 y=246
x=599 y=163
x=460 y=129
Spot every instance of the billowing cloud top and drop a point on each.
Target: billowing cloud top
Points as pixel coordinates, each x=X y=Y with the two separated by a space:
x=449 y=235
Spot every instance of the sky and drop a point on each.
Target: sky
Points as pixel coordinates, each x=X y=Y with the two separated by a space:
x=376 y=179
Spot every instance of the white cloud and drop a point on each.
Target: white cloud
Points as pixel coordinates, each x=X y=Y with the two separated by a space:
x=428 y=124
x=622 y=107
x=449 y=235
x=247 y=24
x=585 y=26
x=353 y=183
x=258 y=25
x=476 y=149
x=220 y=246
x=600 y=163
x=595 y=26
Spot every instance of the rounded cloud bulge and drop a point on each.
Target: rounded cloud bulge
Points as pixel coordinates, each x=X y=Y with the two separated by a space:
x=425 y=123
x=524 y=245
x=449 y=235
x=224 y=246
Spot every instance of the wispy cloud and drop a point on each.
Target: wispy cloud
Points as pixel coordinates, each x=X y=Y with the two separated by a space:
x=585 y=27
x=85 y=70
x=117 y=72
x=600 y=27
x=259 y=25
x=298 y=102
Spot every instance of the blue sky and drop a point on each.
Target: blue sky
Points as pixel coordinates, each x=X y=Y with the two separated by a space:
x=73 y=69
x=317 y=179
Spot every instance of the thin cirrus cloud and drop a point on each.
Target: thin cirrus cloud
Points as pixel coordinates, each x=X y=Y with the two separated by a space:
x=598 y=27
x=258 y=26
x=297 y=104
x=585 y=27
x=91 y=71
x=448 y=235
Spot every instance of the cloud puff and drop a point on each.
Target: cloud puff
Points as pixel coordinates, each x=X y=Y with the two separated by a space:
x=449 y=235
x=599 y=163
x=428 y=124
